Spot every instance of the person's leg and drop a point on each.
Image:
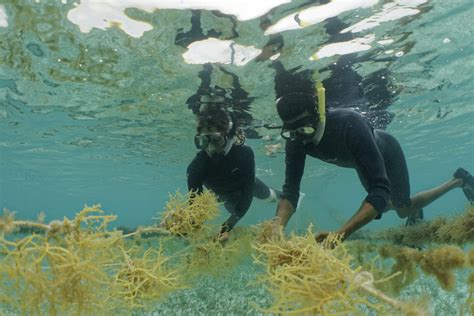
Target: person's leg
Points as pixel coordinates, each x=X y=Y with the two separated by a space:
x=424 y=198
x=397 y=173
x=263 y=192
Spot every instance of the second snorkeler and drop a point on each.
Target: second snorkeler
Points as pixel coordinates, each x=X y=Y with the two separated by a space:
x=225 y=165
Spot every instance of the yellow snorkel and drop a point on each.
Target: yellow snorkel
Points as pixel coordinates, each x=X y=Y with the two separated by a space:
x=321 y=108
x=320 y=91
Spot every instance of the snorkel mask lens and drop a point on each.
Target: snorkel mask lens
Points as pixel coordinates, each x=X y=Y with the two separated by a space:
x=305 y=131
x=288 y=135
x=217 y=140
x=200 y=142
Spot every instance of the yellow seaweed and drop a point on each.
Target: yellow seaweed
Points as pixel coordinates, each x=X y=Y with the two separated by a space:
x=440 y=262
x=187 y=214
x=77 y=266
x=80 y=266
x=141 y=279
x=456 y=230
x=306 y=277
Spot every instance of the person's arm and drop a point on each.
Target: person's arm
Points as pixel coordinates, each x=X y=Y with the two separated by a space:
x=284 y=211
x=196 y=172
x=295 y=157
x=364 y=215
x=246 y=163
x=229 y=224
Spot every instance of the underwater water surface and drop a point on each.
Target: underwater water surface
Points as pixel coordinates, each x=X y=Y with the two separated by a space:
x=97 y=102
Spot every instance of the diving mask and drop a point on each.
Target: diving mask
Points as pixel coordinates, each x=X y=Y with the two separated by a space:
x=302 y=125
x=306 y=131
x=216 y=140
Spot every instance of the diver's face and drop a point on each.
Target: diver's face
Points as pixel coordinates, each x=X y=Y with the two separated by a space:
x=212 y=140
x=301 y=127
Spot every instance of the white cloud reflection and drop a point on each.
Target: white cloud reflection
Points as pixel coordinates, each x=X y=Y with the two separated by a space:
x=384 y=42
x=213 y=50
x=344 y=48
x=317 y=14
x=390 y=12
x=106 y=13
x=3 y=17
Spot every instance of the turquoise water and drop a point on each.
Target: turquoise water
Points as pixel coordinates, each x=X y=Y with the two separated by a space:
x=96 y=114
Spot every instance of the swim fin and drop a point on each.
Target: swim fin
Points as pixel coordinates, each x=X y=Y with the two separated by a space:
x=467 y=183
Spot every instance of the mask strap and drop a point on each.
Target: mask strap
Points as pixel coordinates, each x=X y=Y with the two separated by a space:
x=231 y=123
x=230 y=140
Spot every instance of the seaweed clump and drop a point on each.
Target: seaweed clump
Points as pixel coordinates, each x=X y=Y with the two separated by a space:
x=187 y=214
x=470 y=299
x=190 y=216
x=143 y=277
x=210 y=257
x=440 y=262
x=457 y=230
x=74 y=266
x=305 y=276
x=267 y=231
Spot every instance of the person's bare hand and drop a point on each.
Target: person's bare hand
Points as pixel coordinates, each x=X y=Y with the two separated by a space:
x=320 y=237
x=223 y=237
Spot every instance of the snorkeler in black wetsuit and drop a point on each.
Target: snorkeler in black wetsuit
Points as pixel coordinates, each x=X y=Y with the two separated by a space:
x=225 y=165
x=371 y=95
x=348 y=140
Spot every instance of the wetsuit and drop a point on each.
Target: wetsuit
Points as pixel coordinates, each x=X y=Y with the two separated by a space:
x=349 y=141
x=231 y=178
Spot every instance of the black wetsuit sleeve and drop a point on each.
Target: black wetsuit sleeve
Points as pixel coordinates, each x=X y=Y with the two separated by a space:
x=230 y=223
x=196 y=172
x=295 y=160
x=246 y=164
x=369 y=163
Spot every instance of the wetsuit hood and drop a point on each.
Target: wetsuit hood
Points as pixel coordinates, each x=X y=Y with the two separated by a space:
x=293 y=106
x=299 y=110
